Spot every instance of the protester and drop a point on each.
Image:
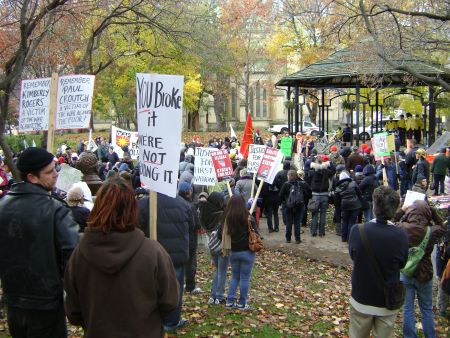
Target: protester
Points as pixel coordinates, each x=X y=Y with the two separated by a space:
x=389 y=246
x=420 y=184
x=243 y=187
x=348 y=197
x=174 y=219
x=367 y=187
x=75 y=200
x=237 y=172
x=415 y=219
x=422 y=166
x=298 y=149
x=439 y=168
x=335 y=157
x=271 y=203
x=391 y=173
x=442 y=257
x=37 y=236
x=280 y=178
x=112 y=157
x=319 y=174
x=234 y=234
x=211 y=218
x=186 y=192
x=402 y=130
x=358 y=175
x=347 y=134
x=113 y=250
x=81 y=147
x=354 y=159
x=337 y=217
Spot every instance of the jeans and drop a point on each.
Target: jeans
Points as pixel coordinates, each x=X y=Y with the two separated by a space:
x=191 y=267
x=323 y=206
x=368 y=213
x=272 y=210
x=25 y=323
x=439 y=181
x=425 y=296
x=294 y=217
x=174 y=316
x=241 y=271
x=348 y=220
x=220 y=276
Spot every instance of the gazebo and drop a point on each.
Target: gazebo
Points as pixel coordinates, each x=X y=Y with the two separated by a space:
x=344 y=70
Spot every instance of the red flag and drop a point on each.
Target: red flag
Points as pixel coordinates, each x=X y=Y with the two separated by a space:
x=247 y=139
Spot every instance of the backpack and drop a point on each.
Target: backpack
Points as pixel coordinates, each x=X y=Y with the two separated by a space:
x=415 y=255
x=296 y=197
x=215 y=243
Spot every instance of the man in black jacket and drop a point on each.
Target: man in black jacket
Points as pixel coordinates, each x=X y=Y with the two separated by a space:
x=389 y=245
x=37 y=236
x=173 y=222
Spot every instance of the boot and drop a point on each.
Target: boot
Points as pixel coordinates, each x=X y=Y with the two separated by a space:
x=338 y=228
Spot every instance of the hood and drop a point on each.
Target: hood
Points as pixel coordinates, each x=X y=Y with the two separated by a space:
x=343 y=184
x=368 y=170
x=286 y=165
x=317 y=166
x=418 y=213
x=110 y=252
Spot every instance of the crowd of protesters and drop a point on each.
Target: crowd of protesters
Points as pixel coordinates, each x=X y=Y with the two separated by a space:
x=351 y=180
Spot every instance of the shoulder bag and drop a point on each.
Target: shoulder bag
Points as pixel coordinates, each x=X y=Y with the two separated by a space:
x=415 y=255
x=394 y=293
x=255 y=243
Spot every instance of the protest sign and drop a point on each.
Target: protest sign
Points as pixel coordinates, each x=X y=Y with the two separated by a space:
x=159 y=109
x=286 y=146
x=74 y=101
x=391 y=142
x=380 y=144
x=255 y=155
x=222 y=164
x=34 y=105
x=125 y=138
x=412 y=196
x=204 y=173
x=68 y=176
x=269 y=164
x=377 y=158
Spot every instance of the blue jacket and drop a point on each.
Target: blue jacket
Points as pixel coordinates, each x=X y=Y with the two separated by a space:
x=173 y=221
x=391 y=174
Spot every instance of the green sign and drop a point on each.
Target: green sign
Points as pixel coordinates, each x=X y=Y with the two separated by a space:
x=286 y=146
x=380 y=144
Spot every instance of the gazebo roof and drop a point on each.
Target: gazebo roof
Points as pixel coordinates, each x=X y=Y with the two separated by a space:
x=343 y=69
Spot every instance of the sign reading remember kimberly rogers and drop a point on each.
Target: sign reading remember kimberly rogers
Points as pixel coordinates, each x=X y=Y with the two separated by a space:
x=34 y=105
x=159 y=109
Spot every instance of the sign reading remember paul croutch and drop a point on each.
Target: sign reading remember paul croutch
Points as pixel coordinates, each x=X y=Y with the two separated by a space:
x=204 y=173
x=74 y=103
x=255 y=154
x=159 y=109
x=34 y=105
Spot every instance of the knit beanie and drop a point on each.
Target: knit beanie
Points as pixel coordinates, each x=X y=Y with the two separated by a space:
x=184 y=187
x=34 y=159
x=358 y=168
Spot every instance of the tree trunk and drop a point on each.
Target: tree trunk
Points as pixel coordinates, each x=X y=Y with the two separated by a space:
x=219 y=101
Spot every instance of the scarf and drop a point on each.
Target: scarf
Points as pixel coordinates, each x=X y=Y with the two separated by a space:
x=226 y=240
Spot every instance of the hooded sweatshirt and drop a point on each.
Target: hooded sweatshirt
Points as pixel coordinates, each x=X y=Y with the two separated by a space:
x=119 y=284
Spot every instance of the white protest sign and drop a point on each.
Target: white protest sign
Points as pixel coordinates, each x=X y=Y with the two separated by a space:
x=160 y=111
x=34 y=105
x=412 y=196
x=74 y=101
x=67 y=176
x=255 y=154
x=269 y=164
x=121 y=138
x=204 y=173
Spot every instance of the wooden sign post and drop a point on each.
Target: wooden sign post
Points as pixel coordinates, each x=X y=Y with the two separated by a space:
x=153 y=207
x=52 y=112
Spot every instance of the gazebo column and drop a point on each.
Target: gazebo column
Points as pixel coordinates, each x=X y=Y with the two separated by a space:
x=431 y=116
x=357 y=113
x=288 y=98
x=296 y=112
x=376 y=111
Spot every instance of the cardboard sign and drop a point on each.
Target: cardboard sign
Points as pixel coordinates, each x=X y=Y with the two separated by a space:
x=380 y=144
x=74 y=101
x=68 y=176
x=160 y=112
x=121 y=138
x=222 y=164
x=204 y=173
x=286 y=146
x=255 y=155
x=269 y=164
x=34 y=105
x=377 y=158
x=412 y=196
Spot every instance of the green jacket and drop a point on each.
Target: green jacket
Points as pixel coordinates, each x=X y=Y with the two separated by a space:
x=440 y=165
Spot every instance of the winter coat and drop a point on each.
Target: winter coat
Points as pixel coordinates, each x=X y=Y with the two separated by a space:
x=286 y=189
x=347 y=195
x=37 y=236
x=270 y=195
x=244 y=187
x=80 y=215
x=422 y=168
x=211 y=212
x=367 y=186
x=391 y=174
x=336 y=158
x=186 y=165
x=319 y=175
x=410 y=160
x=440 y=165
x=120 y=284
x=173 y=223
x=414 y=221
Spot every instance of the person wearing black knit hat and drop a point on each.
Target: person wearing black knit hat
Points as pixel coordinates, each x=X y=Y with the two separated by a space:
x=37 y=236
